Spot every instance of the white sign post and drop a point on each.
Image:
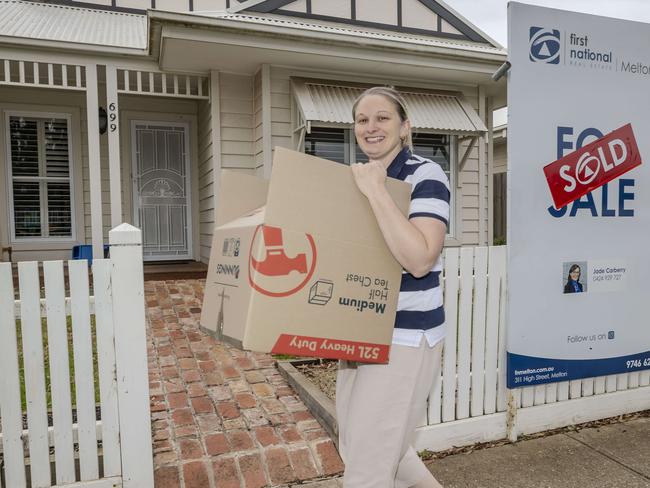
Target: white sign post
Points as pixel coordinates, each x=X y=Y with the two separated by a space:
x=579 y=275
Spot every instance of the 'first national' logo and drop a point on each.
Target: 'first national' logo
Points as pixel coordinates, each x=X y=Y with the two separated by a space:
x=544 y=45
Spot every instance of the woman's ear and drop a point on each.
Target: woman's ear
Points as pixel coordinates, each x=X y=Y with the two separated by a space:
x=405 y=130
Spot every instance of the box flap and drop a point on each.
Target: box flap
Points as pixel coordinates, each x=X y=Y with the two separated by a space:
x=320 y=197
x=252 y=218
x=239 y=193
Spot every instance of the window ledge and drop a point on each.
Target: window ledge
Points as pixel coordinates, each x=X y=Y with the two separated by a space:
x=42 y=245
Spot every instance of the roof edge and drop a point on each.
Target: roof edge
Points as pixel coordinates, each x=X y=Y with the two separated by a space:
x=29 y=42
x=217 y=22
x=90 y=6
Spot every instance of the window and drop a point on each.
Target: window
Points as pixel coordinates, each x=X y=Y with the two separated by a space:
x=338 y=144
x=40 y=177
x=436 y=147
x=329 y=143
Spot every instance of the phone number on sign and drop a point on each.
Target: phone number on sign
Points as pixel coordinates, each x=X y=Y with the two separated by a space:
x=638 y=363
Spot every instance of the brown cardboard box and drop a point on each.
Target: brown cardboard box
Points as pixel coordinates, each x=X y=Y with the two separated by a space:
x=309 y=274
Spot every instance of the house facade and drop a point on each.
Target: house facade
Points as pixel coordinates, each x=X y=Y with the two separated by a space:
x=126 y=110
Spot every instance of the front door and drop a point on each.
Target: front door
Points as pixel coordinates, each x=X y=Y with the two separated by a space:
x=161 y=189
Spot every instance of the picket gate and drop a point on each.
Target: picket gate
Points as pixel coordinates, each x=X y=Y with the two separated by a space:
x=66 y=453
x=469 y=402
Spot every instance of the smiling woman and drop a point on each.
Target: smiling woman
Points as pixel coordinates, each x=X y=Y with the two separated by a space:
x=379 y=405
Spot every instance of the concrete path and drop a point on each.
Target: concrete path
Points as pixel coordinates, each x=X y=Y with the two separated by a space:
x=611 y=456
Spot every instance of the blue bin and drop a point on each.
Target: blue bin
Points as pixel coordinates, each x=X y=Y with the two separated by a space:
x=85 y=251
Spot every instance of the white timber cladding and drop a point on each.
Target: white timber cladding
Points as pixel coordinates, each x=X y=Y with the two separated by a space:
x=333 y=8
x=173 y=5
x=206 y=164
x=379 y=12
x=500 y=156
x=200 y=5
x=137 y=4
x=267 y=141
x=258 y=121
x=281 y=126
x=418 y=16
x=237 y=122
x=299 y=6
x=483 y=172
x=500 y=145
x=448 y=28
x=490 y=169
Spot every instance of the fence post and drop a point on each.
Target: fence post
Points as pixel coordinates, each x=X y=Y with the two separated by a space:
x=127 y=282
x=511 y=422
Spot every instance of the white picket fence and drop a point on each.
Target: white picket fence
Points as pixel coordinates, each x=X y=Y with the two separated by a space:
x=67 y=453
x=469 y=402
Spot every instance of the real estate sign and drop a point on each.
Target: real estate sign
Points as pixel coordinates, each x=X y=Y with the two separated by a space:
x=578 y=196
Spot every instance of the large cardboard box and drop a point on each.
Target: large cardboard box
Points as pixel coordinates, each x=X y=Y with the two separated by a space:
x=309 y=273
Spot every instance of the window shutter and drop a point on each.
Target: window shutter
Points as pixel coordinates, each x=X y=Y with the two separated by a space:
x=24 y=146
x=27 y=208
x=59 y=212
x=57 y=160
x=57 y=164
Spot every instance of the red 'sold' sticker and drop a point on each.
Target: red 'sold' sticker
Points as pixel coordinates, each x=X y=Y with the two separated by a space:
x=590 y=167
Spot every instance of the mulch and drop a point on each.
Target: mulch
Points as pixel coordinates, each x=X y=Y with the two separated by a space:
x=322 y=372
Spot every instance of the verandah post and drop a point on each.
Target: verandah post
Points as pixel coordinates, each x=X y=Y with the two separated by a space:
x=127 y=282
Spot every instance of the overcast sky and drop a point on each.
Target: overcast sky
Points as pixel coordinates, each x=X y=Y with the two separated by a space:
x=490 y=15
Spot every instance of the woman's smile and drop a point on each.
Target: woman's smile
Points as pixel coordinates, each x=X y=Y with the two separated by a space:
x=374 y=139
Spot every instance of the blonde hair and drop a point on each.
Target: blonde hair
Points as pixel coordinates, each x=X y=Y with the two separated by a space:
x=393 y=96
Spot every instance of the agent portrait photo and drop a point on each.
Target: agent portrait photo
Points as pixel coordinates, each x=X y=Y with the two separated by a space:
x=573 y=283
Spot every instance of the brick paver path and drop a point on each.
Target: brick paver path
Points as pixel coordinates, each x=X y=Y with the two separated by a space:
x=222 y=417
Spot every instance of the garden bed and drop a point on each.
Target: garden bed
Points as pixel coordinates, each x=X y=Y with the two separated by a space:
x=314 y=380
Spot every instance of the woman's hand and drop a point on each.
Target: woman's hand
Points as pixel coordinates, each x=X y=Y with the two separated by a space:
x=369 y=177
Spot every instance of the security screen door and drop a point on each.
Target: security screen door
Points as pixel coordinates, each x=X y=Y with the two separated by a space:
x=161 y=189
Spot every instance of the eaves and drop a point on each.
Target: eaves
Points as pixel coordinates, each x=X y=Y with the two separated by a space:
x=336 y=40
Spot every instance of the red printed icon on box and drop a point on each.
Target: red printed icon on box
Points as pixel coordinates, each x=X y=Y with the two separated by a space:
x=590 y=167
x=280 y=264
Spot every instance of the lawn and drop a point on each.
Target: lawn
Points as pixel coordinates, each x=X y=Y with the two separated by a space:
x=48 y=391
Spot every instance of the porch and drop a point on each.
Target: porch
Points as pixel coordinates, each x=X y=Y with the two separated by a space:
x=71 y=174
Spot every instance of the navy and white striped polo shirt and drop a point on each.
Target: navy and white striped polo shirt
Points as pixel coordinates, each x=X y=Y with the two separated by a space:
x=419 y=308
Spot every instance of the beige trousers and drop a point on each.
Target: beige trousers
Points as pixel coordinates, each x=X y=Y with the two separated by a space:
x=378 y=407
